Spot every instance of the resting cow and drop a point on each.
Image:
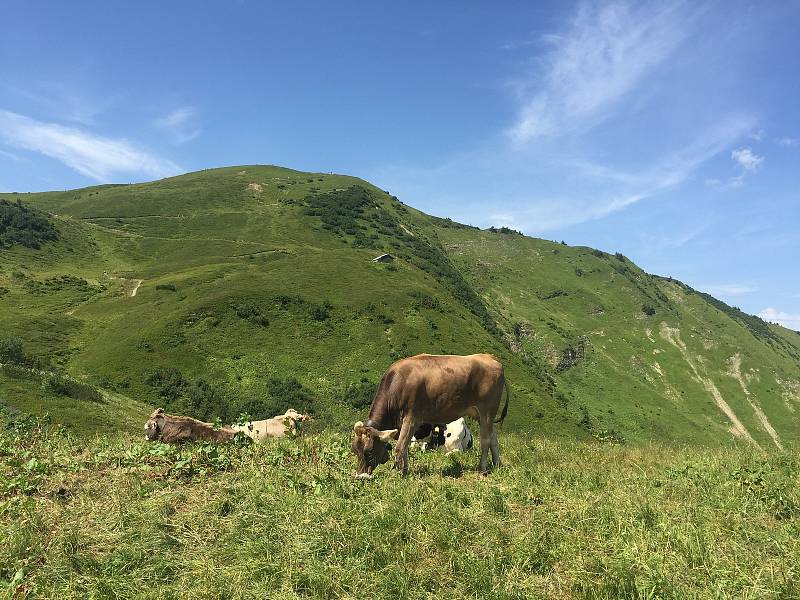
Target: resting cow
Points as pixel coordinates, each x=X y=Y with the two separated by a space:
x=457 y=436
x=279 y=426
x=428 y=437
x=173 y=429
x=430 y=389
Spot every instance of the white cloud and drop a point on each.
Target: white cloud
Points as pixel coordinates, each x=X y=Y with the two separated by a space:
x=729 y=289
x=789 y=142
x=180 y=124
x=747 y=159
x=782 y=318
x=602 y=57
x=96 y=157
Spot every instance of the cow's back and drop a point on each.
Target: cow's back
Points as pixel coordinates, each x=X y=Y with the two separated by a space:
x=445 y=387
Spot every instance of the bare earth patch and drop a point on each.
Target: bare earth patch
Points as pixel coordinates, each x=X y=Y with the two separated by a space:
x=673 y=336
x=735 y=371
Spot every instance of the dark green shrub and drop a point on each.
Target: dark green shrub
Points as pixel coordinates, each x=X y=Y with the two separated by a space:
x=359 y=395
x=170 y=287
x=648 y=310
x=61 y=385
x=25 y=226
x=320 y=312
x=168 y=383
x=249 y=311
x=422 y=300
x=11 y=350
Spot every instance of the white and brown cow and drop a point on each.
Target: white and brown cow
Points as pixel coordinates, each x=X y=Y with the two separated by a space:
x=430 y=389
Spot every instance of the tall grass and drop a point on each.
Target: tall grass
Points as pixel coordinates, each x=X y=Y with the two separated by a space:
x=116 y=517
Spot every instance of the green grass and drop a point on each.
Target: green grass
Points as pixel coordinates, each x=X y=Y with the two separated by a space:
x=220 y=251
x=114 y=517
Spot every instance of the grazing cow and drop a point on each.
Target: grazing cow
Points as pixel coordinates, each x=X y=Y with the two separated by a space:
x=173 y=429
x=428 y=437
x=430 y=389
x=279 y=426
x=457 y=436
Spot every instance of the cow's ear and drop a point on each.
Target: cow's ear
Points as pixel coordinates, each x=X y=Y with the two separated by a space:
x=357 y=425
x=387 y=435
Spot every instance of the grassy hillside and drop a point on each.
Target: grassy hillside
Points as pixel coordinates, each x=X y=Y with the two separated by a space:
x=115 y=517
x=251 y=288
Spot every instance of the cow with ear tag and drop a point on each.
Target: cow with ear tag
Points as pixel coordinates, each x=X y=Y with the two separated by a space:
x=372 y=448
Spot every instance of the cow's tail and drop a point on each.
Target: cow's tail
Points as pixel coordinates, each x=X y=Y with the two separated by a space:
x=505 y=408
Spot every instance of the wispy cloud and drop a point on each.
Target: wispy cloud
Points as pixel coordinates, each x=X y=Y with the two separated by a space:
x=747 y=159
x=729 y=289
x=180 y=124
x=789 y=142
x=599 y=60
x=96 y=157
x=782 y=318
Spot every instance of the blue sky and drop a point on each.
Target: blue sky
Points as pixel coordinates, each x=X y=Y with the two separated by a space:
x=666 y=131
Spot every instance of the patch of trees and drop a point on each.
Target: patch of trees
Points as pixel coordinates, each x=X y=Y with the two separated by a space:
x=504 y=229
x=61 y=283
x=17 y=365
x=200 y=399
x=359 y=395
x=20 y=224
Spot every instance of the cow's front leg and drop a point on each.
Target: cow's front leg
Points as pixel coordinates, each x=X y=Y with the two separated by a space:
x=401 y=451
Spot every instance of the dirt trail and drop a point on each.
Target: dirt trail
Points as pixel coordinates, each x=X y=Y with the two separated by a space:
x=673 y=336
x=136 y=287
x=735 y=363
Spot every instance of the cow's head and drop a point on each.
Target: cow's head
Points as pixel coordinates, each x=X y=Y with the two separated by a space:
x=371 y=447
x=154 y=425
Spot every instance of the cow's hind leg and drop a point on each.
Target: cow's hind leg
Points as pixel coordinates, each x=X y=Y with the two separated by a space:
x=486 y=437
x=494 y=445
x=401 y=452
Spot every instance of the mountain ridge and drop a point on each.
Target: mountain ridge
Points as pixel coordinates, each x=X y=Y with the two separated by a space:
x=257 y=282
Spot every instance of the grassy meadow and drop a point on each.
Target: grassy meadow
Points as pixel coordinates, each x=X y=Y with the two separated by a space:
x=115 y=517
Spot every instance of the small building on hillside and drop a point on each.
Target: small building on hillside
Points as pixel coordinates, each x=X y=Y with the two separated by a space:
x=383 y=258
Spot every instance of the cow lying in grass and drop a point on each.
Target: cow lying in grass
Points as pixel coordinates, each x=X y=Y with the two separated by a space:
x=457 y=436
x=428 y=437
x=277 y=427
x=174 y=429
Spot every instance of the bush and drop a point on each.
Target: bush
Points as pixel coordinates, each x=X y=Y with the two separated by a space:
x=25 y=226
x=648 y=310
x=60 y=385
x=359 y=395
x=170 y=287
x=252 y=313
x=282 y=394
x=11 y=350
x=168 y=383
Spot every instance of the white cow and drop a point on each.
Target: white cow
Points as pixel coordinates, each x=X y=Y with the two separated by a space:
x=278 y=426
x=457 y=436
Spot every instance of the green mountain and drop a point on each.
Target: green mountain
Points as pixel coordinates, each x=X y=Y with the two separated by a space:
x=248 y=289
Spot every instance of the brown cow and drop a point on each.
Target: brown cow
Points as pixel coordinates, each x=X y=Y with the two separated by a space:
x=430 y=389
x=173 y=429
